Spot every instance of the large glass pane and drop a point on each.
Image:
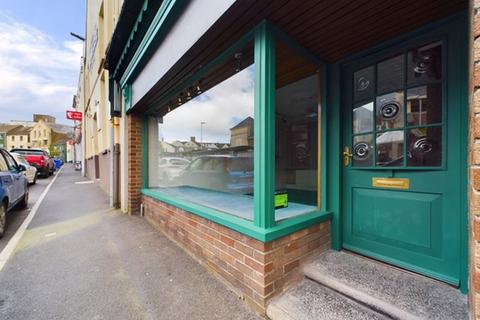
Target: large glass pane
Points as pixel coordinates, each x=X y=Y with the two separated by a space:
x=389 y=111
x=364 y=84
x=390 y=148
x=424 y=105
x=200 y=145
x=390 y=75
x=363 y=118
x=362 y=150
x=297 y=124
x=425 y=147
x=425 y=64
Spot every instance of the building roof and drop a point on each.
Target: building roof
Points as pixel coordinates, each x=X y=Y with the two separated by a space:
x=5 y=127
x=247 y=122
x=60 y=128
x=19 y=131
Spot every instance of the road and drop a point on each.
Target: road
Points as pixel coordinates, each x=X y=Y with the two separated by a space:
x=79 y=259
x=16 y=217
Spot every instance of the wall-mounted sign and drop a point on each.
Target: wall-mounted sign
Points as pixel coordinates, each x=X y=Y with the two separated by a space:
x=74 y=115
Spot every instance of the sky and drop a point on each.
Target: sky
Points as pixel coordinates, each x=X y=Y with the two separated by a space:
x=39 y=59
x=220 y=108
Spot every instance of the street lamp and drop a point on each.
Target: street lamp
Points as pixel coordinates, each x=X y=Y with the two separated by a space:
x=201 y=130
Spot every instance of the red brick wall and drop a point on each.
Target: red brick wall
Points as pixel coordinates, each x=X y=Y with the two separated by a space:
x=255 y=270
x=474 y=161
x=134 y=163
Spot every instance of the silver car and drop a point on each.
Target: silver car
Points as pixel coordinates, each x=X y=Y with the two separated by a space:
x=30 y=171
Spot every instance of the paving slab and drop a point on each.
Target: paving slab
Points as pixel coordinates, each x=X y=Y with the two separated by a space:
x=401 y=294
x=308 y=300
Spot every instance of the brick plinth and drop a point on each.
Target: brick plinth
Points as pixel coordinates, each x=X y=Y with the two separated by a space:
x=134 y=163
x=474 y=161
x=255 y=270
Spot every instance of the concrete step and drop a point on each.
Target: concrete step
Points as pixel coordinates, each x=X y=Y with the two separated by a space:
x=388 y=290
x=309 y=300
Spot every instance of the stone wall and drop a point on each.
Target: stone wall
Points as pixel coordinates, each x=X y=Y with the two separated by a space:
x=256 y=271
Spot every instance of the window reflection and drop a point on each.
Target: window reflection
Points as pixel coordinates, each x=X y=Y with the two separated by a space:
x=389 y=111
x=364 y=83
x=202 y=150
x=297 y=128
x=362 y=151
x=390 y=148
x=425 y=64
x=424 y=105
x=390 y=74
x=425 y=146
x=363 y=118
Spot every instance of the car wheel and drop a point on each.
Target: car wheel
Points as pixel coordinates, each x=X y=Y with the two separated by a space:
x=3 y=218
x=24 y=203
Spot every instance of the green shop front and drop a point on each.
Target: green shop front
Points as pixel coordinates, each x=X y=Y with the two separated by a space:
x=262 y=134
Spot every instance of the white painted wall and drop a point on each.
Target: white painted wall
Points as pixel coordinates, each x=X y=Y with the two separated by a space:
x=195 y=20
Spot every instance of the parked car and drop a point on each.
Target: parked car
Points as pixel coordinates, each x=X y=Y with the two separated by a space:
x=13 y=187
x=38 y=158
x=171 y=167
x=30 y=171
x=219 y=172
x=58 y=163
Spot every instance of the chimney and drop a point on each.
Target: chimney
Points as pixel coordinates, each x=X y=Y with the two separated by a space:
x=192 y=139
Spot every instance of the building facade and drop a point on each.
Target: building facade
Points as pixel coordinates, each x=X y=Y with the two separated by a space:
x=100 y=131
x=323 y=127
x=19 y=137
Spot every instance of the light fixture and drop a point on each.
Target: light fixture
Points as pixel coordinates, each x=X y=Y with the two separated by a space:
x=179 y=100
x=238 y=61
x=189 y=95
x=199 y=91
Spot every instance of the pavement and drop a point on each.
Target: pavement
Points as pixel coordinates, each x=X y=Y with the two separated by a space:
x=79 y=259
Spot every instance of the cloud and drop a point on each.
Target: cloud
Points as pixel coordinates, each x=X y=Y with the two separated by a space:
x=37 y=74
x=221 y=107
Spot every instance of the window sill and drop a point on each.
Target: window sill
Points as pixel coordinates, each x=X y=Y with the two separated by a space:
x=281 y=229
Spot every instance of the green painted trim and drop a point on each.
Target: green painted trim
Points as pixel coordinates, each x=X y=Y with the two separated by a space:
x=168 y=10
x=144 y=122
x=264 y=128
x=127 y=96
x=201 y=72
x=242 y=226
x=131 y=37
x=333 y=153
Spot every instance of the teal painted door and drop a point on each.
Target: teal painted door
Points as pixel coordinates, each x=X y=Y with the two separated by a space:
x=402 y=177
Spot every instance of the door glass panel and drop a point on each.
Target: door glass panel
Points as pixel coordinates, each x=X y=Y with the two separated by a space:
x=425 y=147
x=389 y=111
x=390 y=148
x=424 y=105
x=390 y=75
x=362 y=150
x=425 y=64
x=363 y=118
x=364 y=84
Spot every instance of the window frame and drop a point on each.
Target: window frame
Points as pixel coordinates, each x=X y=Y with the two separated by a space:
x=263 y=227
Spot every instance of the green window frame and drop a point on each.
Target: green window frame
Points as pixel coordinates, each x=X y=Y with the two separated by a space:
x=263 y=227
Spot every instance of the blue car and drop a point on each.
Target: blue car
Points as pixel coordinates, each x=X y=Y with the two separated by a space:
x=13 y=187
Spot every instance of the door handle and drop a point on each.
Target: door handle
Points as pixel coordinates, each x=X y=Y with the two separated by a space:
x=346 y=156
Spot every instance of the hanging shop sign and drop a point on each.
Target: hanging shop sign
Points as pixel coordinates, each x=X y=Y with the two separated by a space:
x=74 y=115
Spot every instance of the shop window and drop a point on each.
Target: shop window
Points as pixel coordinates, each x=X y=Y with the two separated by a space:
x=297 y=128
x=200 y=142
